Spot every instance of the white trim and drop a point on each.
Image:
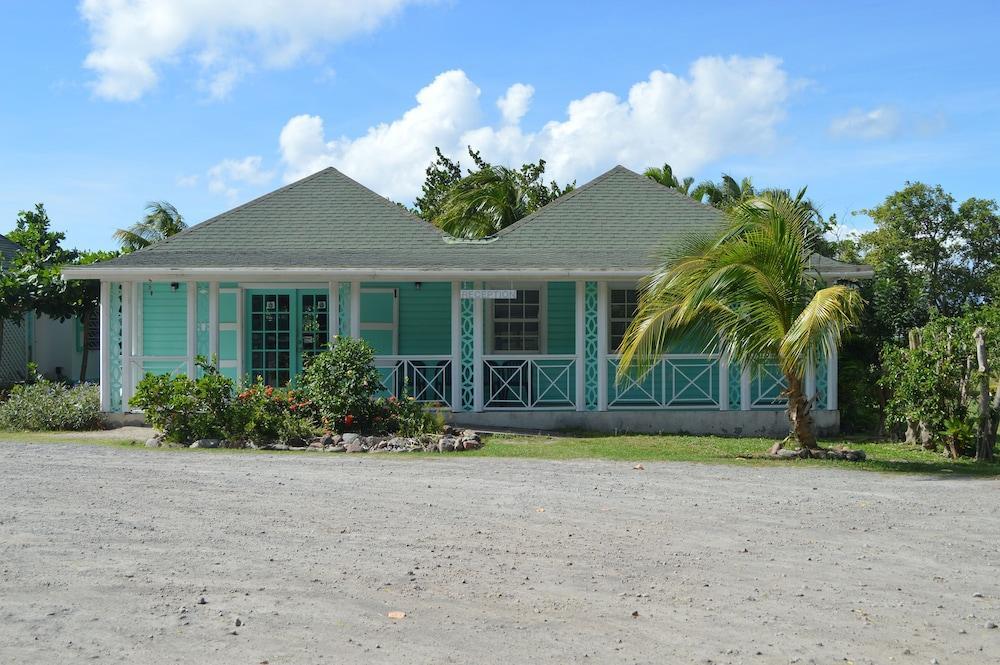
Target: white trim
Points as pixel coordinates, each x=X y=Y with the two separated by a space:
x=356 y=309
x=724 y=381
x=333 y=300
x=213 y=321
x=810 y=381
x=240 y=325
x=602 y=346
x=580 y=345
x=832 y=389
x=105 y=335
x=192 y=325
x=127 y=369
x=477 y=355
x=745 y=389
x=224 y=274
x=456 y=346
x=264 y=286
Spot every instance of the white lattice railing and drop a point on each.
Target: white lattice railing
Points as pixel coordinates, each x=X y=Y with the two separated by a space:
x=679 y=381
x=424 y=378
x=533 y=382
x=767 y=389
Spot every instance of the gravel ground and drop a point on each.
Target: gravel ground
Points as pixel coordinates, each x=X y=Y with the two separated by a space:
x=106 y=553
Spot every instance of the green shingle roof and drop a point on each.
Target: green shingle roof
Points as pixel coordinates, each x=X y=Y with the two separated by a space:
x=8 y=248
x=616 y=223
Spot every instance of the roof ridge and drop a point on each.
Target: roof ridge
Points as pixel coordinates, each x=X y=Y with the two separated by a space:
x=562 y=199
x=672 y=190
x=242 y=206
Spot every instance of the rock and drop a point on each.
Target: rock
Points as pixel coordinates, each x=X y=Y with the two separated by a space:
x=153 y=442
x=355 y=447
x=296 y=442
x=206 y=443
x=990 y=625
x=238 y=622
x=327 y=440
x=785 y=453
x=278 y=446
x=202 y=601
x=316 y=445
x=855 y=455
x=335 y=449
x=349 y=438
x=470 y=434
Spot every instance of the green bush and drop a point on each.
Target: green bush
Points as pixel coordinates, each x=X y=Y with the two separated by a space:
x=266 y=414
x=340 y=385
x=46 y=406
x=408 y=417
x=189 y=409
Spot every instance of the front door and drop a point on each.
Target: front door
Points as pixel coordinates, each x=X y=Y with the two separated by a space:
x=286 y=327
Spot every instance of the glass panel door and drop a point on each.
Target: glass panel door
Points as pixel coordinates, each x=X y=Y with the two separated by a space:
x=314 y=324
x=271 y=316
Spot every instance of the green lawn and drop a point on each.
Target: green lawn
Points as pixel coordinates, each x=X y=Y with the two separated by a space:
x=884 y=457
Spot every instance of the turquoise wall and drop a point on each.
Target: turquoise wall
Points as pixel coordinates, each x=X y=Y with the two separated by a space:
x=164 y=319
x=561 y=317
x=424 y=315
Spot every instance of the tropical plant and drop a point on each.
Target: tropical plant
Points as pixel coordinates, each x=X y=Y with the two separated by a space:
x=43 y=405
x=488 y=199
x=725 y=193
x=341 y=383
x=752 y=286
x=665 y=176
x=160 y=221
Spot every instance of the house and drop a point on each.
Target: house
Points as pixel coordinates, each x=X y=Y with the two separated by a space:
x=517 y=330
x=57 y=347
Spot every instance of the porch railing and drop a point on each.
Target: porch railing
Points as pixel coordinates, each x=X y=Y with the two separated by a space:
x=424 y=378
x=529 y=382
x=678 y=381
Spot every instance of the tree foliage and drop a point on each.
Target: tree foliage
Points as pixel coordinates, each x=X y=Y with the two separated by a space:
x=160 y=221
x=487 y=199
x=752 y=286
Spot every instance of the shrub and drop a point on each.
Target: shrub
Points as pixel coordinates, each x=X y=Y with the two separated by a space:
x=340 y=385
x=266 y=414
x=46 y=405
x=408 y=417
x=187 y=410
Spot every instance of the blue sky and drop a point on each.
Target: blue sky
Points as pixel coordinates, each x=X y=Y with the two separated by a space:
x=108 y=104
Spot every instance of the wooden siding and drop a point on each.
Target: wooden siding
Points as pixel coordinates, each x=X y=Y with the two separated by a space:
x=561 y=317
x=164 y=319
x=424 y=316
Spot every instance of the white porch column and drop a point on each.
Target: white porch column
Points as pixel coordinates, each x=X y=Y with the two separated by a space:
x=602 y=346
x=831 y=379
x=477 y=354
x=456 y=346
x=580 y=388
x=333 y=307
x=213 y=322
x=810 y=381
x=192 y=326
x=356 y=310
x=105 y=314
x=745 y=389
x=724 y=380
x=127 y=324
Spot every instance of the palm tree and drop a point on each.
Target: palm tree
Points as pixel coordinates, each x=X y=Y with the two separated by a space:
x=752 y=286
x=160 y=221
x=484 y=202
x=665 y=176
x=724 y=194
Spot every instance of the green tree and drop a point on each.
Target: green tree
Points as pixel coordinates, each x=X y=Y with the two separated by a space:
x=487 y=199
x=725 y=193
x=160 y=221
x=752 y=286
x=665 y=176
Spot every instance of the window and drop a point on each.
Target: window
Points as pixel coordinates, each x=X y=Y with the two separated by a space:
x=623 y=303
x=516 y=323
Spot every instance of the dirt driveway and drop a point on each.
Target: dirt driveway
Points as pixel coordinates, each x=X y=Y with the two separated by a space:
x=106 y=553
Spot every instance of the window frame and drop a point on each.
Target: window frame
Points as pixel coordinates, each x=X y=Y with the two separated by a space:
x=611 y=320
x=490 y=319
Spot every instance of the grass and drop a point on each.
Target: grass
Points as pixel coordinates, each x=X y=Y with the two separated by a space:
x=882 y=456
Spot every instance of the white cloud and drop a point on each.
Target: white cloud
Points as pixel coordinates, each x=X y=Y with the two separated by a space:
x=724 y=106
x=515 y=102
x=132 y=39
x=188 y=180
x=878 y=123
x=227 y=175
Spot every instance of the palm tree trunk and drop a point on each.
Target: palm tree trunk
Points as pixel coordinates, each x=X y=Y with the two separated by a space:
x=799 y=414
